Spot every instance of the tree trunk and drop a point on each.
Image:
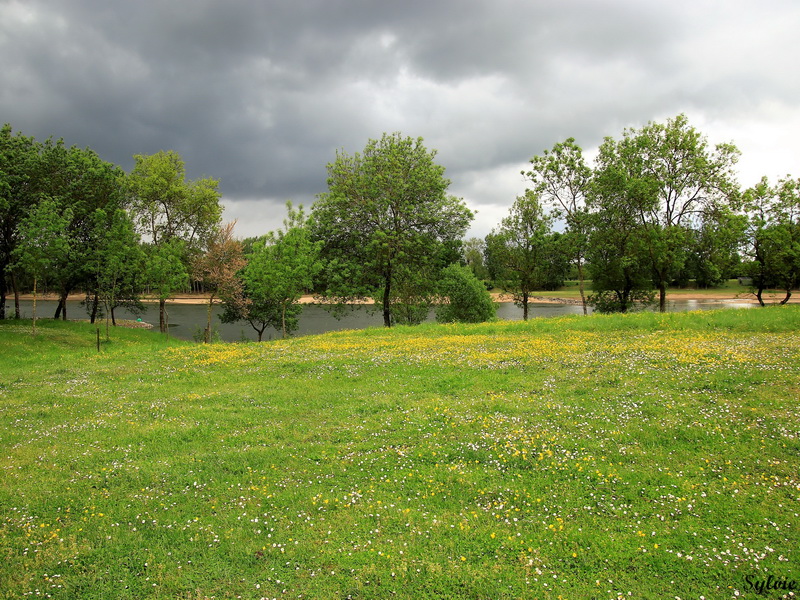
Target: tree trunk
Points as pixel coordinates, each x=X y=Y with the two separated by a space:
x=3 y=293
x=662 y=296
x=207 y=335
x=758 y=295
x=95 y=304
x=17 y=311
x=387 y=312
x=581 y=286
x=64 y=297
x=788 y=295
x=524 y=306
x=283 y=320
x=34 y=305
x=162 y=315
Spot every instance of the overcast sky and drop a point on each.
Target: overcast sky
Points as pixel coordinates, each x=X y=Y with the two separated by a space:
x=260 y=94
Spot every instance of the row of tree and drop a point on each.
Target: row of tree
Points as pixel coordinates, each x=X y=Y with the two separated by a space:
x=660 y=206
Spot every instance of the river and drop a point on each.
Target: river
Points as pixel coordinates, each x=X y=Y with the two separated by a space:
x=188 y=320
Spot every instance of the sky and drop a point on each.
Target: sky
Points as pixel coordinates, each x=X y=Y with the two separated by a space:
x=261 y=94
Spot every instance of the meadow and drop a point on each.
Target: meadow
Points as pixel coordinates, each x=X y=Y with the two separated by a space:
x=630 y=456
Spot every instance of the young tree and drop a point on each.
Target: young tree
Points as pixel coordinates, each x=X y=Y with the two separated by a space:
x=385 y=224
x=218 y=267
x=562 y=180
x=280 y=268
x=117 y=262
x=166 y=273
x=525 y=254
x=167 y=208
x=42 y=240
x=463 y=298
x=670 y=178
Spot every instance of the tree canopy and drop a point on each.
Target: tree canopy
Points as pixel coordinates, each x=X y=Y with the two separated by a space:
x=387 y=225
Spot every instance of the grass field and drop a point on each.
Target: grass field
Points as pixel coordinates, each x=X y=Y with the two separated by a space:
x=637 y=456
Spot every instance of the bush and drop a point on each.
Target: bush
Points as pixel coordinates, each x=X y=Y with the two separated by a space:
x=463 y=298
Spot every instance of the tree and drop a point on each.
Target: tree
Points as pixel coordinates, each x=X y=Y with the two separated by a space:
x=463 y=298
x=42 y=240
x=167 y=208
x=773 y=236
x=218 y=268
x=166 y=273
x=474 y=257
x=525 y=254
x=562 y=180
x=386 y=223
x=280 y=268
x=117 y=263
x=617 y=255
x=80 y=180
x=670 y=178
x=19 y=157
x=716 y=247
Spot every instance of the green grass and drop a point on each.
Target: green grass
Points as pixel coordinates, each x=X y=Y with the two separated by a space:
x=636 y=456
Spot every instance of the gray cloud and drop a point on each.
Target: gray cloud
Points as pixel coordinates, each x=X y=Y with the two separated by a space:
x=262 y=94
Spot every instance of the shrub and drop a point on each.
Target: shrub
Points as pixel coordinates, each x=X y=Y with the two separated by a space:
x=463 y=298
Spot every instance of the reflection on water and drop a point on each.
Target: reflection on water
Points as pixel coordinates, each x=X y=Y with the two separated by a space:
x=188 y=320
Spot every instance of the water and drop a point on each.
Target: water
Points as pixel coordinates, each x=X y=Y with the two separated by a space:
x=188 y=320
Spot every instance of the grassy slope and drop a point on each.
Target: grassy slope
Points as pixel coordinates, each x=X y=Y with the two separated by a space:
x=655 y=455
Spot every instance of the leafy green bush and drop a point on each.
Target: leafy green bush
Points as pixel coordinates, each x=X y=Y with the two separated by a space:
x=464 y=298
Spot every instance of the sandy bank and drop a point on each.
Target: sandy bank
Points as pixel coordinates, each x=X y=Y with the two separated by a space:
x=308 y=299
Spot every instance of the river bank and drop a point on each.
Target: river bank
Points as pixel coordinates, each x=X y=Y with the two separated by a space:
x=672 y=295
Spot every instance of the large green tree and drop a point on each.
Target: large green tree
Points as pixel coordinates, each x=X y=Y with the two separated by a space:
x=387 y=223
x=81 y=181
x=562 y=181
x=772 y=241
x=19 y=158
x=167 y=208
x=669 y=177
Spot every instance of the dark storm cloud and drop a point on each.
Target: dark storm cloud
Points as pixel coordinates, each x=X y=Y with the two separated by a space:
x=261 y=94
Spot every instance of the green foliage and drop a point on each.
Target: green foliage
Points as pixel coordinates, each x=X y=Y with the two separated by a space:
x=525 y=255
x=166 y=273
x=474 y=251
x=464 y=298
x=118 y=263
x=668 y=180
x=386 y=223
x=176 y=216
x=773 y=236
x=562 y=180
x=166 y=206
x=19 y=156
x=280 y=268
x=43 y=241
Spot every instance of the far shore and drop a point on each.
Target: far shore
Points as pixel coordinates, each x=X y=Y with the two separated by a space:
x=549 y=298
